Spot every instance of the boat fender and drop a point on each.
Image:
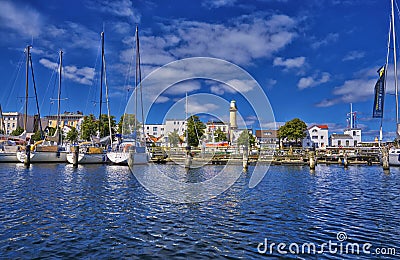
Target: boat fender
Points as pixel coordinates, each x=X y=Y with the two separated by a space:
x=126 y=147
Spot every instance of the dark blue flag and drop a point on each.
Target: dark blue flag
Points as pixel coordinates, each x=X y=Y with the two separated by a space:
x=379 y=94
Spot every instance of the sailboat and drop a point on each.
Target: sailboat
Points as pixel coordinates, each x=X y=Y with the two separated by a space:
x=48 y=149
x=132 y=150
x=93 y=152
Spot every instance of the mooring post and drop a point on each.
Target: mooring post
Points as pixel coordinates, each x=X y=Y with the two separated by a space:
x=75 y=156
x=345 y=161
x=312 y=160
x=245 y=158
x=188 y=159
x=385 y=158
x=27 y=160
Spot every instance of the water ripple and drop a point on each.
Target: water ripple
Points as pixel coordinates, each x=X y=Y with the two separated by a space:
x=57 y=211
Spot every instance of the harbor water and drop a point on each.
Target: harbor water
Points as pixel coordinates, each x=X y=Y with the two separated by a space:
x=102 y=212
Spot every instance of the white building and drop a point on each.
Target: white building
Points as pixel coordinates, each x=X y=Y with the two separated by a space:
x=355 y=134
x=211 y=127
x=156 y=130
x=172 y=125
x=317 y=137
x=12 y=120
x=350 y=138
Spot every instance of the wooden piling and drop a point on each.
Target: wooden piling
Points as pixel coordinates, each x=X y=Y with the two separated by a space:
x=27 y=161
x=385 y=159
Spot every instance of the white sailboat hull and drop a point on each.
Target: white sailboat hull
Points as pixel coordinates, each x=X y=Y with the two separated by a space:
x=394 y=157
x=86 y=158
x=8 y=157
x=43 y=157
x=123 y=158
x=138 y=158
x=118 y=157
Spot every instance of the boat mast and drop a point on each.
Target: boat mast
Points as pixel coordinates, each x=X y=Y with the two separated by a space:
x=101 y=80
x=107 y=101
x=187 y=119
x=136 y=78
x=395 y=71
x=28 y=49
x=3 y=127
x=59 y=99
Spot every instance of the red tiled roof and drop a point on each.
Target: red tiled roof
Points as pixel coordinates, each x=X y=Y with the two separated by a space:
x=319 y=126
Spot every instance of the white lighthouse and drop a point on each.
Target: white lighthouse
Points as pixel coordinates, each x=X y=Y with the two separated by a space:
x=232 y=115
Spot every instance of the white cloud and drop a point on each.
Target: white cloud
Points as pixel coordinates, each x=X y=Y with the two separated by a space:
x=218 y=3
x=354 y=55
x=21 y=18
x=290 y=63
x=83 y=75
x=358 y=89
x=183 y=87
x=329 y=39
x=233 y=86
x=120 y=8
x=195 y=107
x=241 y=40
x=312 y=81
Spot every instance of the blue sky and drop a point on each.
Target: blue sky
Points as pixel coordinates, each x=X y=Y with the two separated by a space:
x=311 y=58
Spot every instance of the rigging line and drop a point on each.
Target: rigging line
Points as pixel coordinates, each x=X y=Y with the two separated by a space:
x=385 y=76
x=36 y=98
x=141 y=92
x=14 y=78
x=94 y=82
x=48 y=85
x=107 y=101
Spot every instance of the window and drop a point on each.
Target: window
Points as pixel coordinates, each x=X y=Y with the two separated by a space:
x=314 y=137
x=355 y=142
x=162 y=129
x=322 y=137
x=347 y=143
x=155 y=128
x=322 y=144
x=354 y=133
x=315 y=130
x=13 y=125
x=174 y=123
x=339 y=142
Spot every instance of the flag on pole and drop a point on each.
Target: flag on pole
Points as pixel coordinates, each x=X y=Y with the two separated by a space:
x=379 y=94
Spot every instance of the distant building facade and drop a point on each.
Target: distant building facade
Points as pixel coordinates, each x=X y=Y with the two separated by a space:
x=156 y=130
x=267 y=139
x=66 y=119
x=211 y=127
x=172 y=125
x=317 y=137
x=350 y=138
x=13 y=120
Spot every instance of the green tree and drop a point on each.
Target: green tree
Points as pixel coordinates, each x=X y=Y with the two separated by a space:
x=17 y=131
x=293 y=130
x=246 y=139
x=220 y=136
x=195 y=130
x=36 y=136
x=104 y=128
x=72 y=135
x=174 y=138
x=127 y=124
x=89 y=127
x=51 y=131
